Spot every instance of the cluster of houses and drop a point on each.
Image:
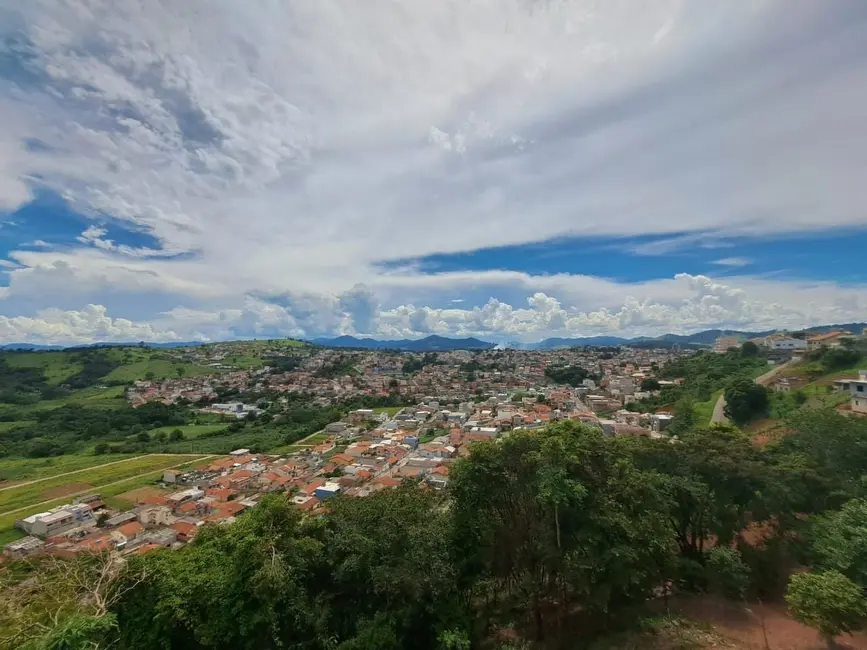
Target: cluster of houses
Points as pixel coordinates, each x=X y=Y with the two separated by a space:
x=365 y=452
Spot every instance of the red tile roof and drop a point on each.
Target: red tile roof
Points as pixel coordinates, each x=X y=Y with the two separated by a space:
x=131 y=529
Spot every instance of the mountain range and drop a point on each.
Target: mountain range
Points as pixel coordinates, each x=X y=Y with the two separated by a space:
x=436 y=343
x=428 y=344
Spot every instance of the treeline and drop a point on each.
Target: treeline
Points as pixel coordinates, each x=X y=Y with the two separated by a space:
x=71 y=428
x=554 y=536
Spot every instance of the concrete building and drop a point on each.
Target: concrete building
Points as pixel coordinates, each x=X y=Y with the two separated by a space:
x=58 y=520
x=857 y=391
x=724 y=343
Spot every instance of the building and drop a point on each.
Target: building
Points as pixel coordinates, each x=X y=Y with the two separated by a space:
x=23 y=547
x=724 y=343
x=58 y=520
x=827 y=340
x=787 y=343
x=857 y=391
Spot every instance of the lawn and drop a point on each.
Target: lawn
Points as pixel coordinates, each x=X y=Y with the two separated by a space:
x=315 y=439
x=390 y=410
x=28 y=469
x=83 y=481
x=7 y=520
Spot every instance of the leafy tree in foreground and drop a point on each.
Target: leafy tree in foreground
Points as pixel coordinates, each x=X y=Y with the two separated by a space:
x=828 y=602
x=841 y=541
x=745 y=399
x=727 y=572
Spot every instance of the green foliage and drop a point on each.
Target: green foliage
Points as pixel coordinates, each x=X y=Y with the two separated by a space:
x=827 y=601
x=571 y=375
x=840 y=541
x=749 y=349
x=728 y=574
x=745 y=400
x=703 y=374
x=649 y=383
x=77 y=632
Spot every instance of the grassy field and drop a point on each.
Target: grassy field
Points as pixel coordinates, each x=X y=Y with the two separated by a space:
x=160 y=368
x=390 y=410
x=28 y=469
x=50 y=488
x=56 y=365
x=89 y=397
x=109 y=494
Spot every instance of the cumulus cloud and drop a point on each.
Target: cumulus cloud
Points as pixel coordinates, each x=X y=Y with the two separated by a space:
x=280 y=153
x=70 y=327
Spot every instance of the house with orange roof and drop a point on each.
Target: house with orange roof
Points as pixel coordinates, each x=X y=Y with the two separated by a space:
x=185 y=530
x=220 y=494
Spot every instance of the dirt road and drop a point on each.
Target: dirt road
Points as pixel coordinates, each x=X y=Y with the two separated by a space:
x=763 y=380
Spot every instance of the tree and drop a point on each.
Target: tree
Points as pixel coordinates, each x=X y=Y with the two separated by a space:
x=144 y=436
x=840 y=541
x=100 y=448
x=828 y=602
x=749 y=349
x=180 y=371
x=728 y=574
x=176 y=435
x=745 y=399
x=649 y=383
x=160 y=436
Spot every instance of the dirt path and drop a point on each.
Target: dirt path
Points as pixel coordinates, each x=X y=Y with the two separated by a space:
x=96 y=488
x=756 y=626
x=763 y=380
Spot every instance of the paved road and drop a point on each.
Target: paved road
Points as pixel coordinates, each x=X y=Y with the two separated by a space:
x=764 y=380
x=96 y=488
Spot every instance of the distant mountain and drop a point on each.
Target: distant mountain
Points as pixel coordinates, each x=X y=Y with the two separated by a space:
x=36 y=346
x=589 y=341
x=704 y=338
x=428 y=344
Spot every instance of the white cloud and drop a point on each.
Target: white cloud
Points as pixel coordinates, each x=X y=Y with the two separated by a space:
x=280 y=152
x=70 y=327
x=732 y=261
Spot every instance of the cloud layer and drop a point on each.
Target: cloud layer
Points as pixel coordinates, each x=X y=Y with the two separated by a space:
x=280 y=154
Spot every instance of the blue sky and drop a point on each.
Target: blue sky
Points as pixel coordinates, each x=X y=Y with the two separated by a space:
x=212 y=169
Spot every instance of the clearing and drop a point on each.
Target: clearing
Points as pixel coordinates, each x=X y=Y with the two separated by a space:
x=23 y=495
x=108 y=490
x=31 y=469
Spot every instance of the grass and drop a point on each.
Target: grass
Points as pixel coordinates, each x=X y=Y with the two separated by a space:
x=20 y=497
x=56 y=365
x=160 y=368
x=28 y=469
x=704 y=410
x=94 y=397
x=315 y=439
x=390 y=410
x=10 y=535
x=190 y=431
x=7 y=521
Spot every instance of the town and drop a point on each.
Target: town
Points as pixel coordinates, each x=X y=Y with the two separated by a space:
x=447 y=402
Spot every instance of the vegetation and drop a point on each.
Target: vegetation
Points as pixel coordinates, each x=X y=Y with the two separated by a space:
x=703 y=374
x=745 y=400
x=827 y=601
x=571 y=375
x=544 y=532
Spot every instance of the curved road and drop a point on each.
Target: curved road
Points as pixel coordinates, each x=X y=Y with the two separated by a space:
x=764 y=380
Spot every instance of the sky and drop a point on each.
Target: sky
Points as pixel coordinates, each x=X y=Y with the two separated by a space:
x=506 y=169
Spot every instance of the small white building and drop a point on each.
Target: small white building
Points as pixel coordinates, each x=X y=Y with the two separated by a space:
x=857 y=390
